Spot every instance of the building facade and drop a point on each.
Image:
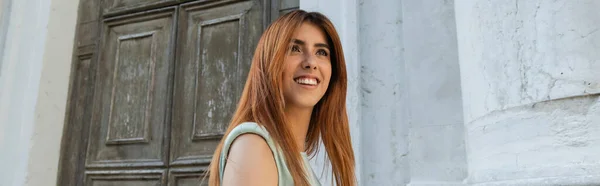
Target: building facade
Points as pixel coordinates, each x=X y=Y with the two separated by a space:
x=441 y=92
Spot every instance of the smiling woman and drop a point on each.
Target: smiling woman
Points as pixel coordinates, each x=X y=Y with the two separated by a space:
x=294 y=98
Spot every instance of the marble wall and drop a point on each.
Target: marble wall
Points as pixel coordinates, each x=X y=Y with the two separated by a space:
x=530 y=84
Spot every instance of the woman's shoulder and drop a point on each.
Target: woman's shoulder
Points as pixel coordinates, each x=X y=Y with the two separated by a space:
x=248 y=131
x=250 y=159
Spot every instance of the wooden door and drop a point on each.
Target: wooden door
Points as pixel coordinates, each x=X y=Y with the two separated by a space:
x=154 y=85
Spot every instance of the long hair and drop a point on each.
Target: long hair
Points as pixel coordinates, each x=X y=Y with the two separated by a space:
x=262 y=101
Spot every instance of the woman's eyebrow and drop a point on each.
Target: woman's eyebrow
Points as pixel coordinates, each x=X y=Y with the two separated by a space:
x=322 y=45
x=300 y=42
x=297 y=41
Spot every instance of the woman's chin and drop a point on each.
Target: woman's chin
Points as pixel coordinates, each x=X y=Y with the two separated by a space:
x=300 y=99
x=305 y=103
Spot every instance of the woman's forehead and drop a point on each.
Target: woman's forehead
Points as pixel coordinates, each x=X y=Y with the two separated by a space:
x=309 y=33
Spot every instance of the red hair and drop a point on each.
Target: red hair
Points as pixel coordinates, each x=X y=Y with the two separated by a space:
x=262 y=102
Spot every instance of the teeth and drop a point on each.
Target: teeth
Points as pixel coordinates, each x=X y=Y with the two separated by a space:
x=307 y=81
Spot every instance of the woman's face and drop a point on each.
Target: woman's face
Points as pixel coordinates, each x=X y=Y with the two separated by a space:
x=307 y=67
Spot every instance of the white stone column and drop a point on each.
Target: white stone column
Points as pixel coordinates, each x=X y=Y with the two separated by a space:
x=34 y=80
x=384 y=123
x=21 y=64
x=530 y=73
x=436 y=148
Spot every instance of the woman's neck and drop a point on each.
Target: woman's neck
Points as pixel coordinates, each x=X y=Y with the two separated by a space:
x=299 y=120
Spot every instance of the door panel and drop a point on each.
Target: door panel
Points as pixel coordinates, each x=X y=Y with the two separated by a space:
x=129 y=178
x=130 y=125
x=88 y=33
x=110 y=7
x=187 y=177
x=215 y=45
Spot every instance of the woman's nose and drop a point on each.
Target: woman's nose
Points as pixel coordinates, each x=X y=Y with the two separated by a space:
x=310 y=63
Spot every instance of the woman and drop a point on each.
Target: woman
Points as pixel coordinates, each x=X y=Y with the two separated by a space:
x=295 y=95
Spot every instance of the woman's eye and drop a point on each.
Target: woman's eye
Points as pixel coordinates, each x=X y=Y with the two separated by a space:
x=295 y=48
x=322 y=52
